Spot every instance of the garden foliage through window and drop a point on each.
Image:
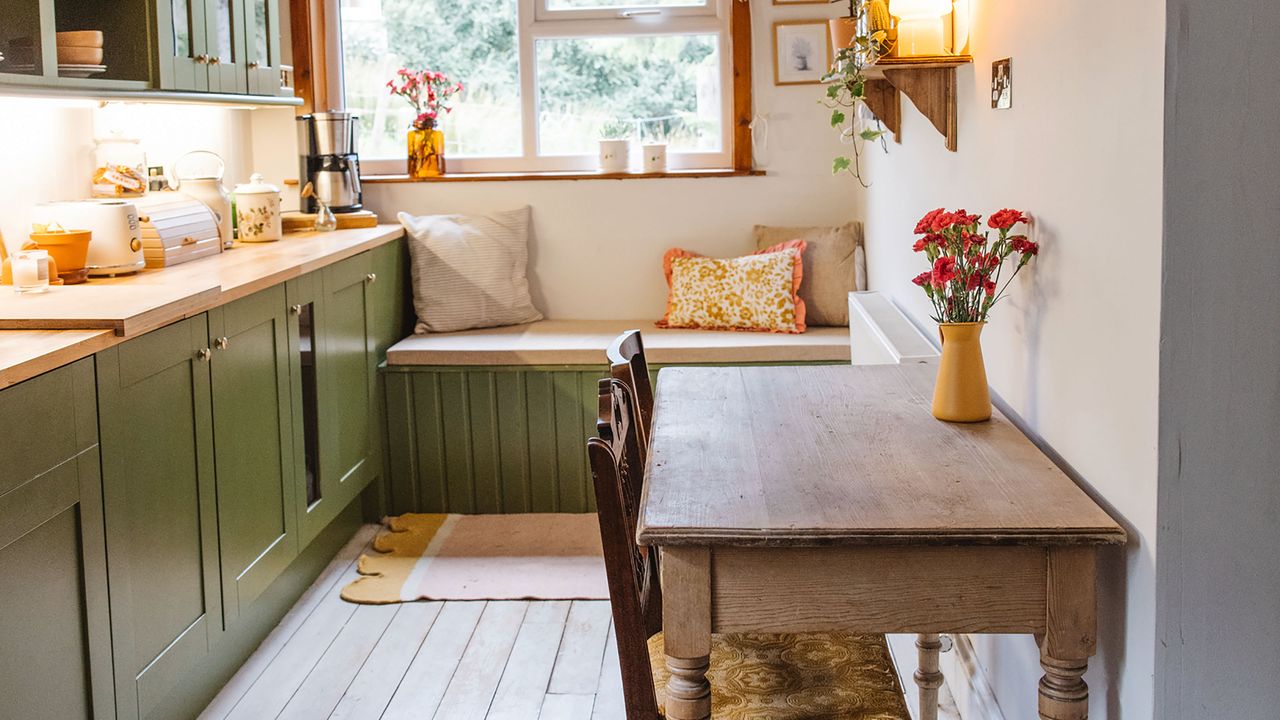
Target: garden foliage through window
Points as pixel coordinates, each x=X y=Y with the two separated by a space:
x=544 y=80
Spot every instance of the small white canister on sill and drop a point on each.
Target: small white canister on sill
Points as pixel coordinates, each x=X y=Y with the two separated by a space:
x=655 y=158
x=30 y=271
x=615 y=156
x=258 y=211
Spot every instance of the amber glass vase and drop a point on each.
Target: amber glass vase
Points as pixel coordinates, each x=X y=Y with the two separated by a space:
x=426 y=152
x=960 y=393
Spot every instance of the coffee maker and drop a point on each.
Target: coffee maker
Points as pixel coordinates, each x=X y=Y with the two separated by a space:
x=327 y=143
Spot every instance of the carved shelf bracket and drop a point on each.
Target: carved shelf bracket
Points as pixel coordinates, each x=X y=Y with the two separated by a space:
x=929 y=83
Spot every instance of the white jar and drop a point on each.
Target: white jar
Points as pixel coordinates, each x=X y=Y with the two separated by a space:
x=655 y=158
x=615 y=156
x=258 y=211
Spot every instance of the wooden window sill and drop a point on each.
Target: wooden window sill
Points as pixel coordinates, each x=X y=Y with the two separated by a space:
x=575 y=175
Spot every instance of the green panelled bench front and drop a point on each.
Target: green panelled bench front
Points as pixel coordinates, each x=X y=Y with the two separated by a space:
x=496 y=420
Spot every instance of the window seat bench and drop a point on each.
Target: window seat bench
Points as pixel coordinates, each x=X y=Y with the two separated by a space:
x=496 y=420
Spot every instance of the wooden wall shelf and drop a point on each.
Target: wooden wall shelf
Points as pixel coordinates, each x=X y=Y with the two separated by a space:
x=929 y=82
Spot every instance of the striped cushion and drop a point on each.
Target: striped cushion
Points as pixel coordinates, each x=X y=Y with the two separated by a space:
x=469 y=271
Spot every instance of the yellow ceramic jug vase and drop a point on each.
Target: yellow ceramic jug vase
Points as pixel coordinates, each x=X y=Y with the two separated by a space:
x=961 y=394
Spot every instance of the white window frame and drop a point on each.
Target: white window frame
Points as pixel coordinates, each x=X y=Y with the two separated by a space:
x=536 y=21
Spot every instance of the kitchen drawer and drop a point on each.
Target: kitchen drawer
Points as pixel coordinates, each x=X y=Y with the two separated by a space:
x=46 y=421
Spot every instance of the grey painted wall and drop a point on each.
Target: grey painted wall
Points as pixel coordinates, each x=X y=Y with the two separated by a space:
x=1218 y=559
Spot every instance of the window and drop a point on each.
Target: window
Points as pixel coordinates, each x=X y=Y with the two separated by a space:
x=545 y=79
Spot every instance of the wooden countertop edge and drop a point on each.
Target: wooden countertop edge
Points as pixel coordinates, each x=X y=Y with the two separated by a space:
x=200 y=301
x=795 y=538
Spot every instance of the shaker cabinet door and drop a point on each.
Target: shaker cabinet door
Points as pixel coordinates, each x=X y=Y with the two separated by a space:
x=55 y=657
x=262 y=46
x=161 y=515
x=253 y=438
x=183 y=53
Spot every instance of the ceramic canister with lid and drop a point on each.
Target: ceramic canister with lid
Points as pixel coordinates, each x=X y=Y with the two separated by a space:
x=258 y=211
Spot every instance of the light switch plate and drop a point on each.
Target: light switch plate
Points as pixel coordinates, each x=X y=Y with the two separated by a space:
x=1002 y=84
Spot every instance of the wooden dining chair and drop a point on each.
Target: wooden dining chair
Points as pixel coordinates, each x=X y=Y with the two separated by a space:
x=780 y=677
x=627 y=364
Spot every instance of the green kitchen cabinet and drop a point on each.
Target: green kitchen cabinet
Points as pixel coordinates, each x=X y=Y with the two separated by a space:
x=157 y=447
x=253 y=446
x=55 y=635
x=333 y=369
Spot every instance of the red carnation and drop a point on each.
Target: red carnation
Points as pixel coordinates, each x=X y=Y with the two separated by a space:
x=1006 y=219
x=973 y=282
x=964 y=218
x=944 y=271
x=926 y=222
x=922 y=278
x=1021 y=244
x=926 y=241
x=990 y=287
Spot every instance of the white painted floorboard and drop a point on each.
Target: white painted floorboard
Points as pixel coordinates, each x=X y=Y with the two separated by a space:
x=430 y=661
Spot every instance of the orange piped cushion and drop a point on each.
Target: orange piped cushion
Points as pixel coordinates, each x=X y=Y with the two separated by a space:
x=759 y=292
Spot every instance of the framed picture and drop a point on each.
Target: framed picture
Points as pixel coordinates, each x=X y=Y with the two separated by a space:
x=1002 y=84
x=801 y=52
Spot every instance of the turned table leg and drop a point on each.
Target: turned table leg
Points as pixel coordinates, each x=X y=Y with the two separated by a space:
x=686 y=628
x=1069 y=640
x=928 y=678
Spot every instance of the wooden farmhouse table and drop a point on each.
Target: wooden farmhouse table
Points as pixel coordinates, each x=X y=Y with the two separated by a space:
x=823 y=498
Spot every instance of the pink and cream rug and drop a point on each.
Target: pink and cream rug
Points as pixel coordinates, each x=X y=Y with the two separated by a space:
x=533 y=556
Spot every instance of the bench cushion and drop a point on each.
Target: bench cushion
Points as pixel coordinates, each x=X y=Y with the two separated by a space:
x=583 y=342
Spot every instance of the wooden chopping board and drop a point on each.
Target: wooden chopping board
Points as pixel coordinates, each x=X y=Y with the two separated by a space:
x=301 y=222
x=126 y=309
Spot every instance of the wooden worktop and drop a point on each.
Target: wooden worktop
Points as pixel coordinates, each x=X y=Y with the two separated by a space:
x=840 y=455
x=243 y=270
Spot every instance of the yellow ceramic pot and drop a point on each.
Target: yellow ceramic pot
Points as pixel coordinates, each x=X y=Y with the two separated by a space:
x=961 y=394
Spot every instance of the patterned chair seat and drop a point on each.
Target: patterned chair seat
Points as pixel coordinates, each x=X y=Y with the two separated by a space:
x=815 y=676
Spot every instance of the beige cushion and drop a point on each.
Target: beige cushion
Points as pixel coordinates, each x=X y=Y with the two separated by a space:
x=834 y=266
x=583 y=342
x=469 y=271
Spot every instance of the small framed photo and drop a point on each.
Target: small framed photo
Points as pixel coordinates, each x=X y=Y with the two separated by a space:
x=801 y=52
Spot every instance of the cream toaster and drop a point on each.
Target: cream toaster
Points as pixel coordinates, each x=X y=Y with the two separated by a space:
x=116 y=245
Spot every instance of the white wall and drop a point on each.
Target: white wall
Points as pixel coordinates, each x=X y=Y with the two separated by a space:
x=49 y=151
x=597 y=250
x=1074 y=352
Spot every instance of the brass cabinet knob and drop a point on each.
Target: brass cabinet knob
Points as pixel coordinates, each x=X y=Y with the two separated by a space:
x=202 y=59
x=221 y=343
x=252 y=65
x=371 y=278
x=215 y=60
x=204 y=354
x=295 y=309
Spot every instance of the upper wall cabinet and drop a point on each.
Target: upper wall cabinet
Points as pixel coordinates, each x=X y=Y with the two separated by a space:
x=139 y=47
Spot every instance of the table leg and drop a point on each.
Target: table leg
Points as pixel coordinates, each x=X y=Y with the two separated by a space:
x=928 y=678
x=1070 y=631
x=686 y=627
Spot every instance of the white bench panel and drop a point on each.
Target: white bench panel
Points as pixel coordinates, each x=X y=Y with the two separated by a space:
x=583 y=342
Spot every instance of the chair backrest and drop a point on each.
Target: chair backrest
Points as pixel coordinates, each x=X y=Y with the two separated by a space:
x=627 y=364
x=635 y=593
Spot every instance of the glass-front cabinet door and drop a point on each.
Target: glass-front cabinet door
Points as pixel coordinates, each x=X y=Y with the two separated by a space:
x=184 y=54
x=225 y=38
x=262 y=46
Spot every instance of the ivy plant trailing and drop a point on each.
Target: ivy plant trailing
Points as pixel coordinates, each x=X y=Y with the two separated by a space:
x=847 y=83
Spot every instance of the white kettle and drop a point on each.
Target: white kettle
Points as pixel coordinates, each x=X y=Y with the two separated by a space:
x=205 y=185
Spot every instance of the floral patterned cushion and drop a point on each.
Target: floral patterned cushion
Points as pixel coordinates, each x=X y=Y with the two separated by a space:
x=813 y=676
x=756 y=292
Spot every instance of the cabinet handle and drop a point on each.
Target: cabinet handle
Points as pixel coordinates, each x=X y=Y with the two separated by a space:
x=252 y=64
x=204 y=354
x=221 y=343
x=215 y=60
x=371 y=278
x=295 y=309
x=202 y=59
